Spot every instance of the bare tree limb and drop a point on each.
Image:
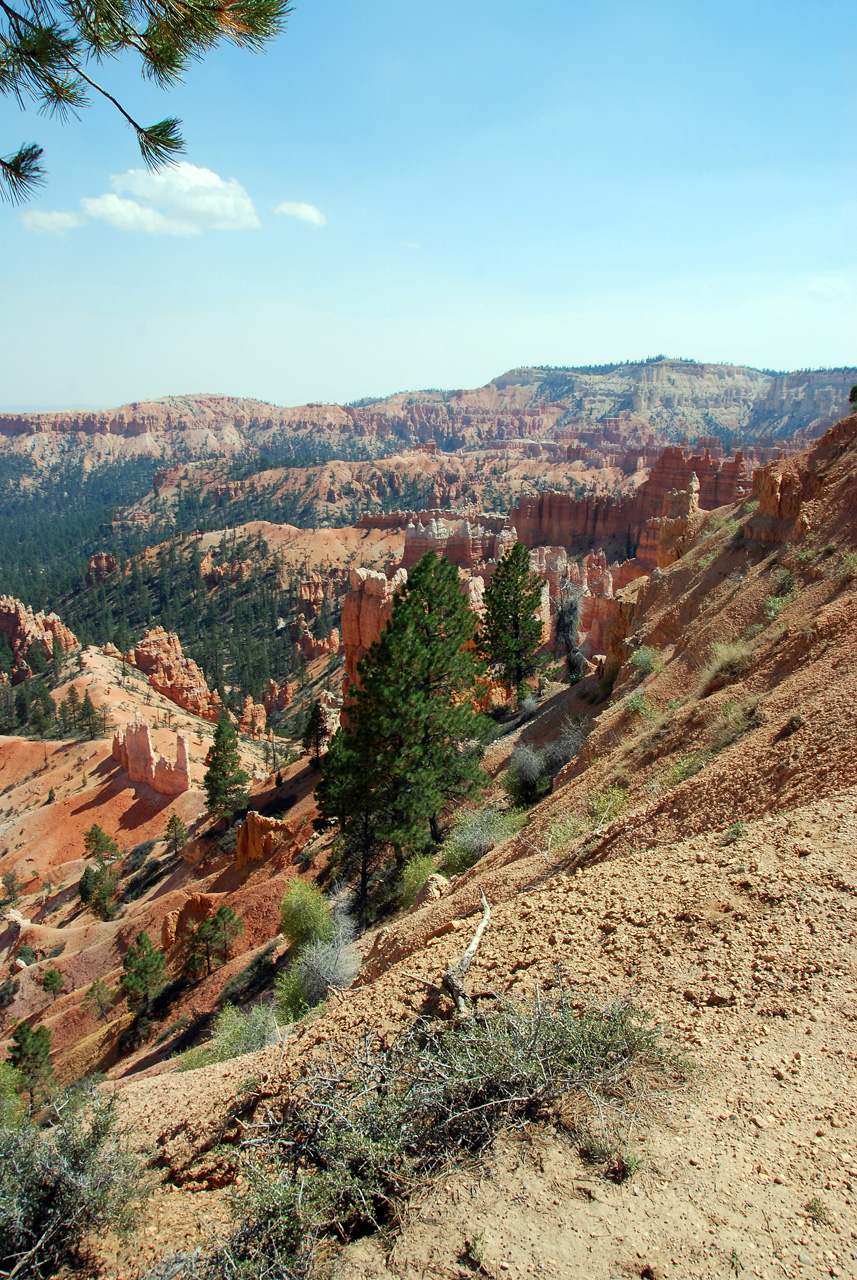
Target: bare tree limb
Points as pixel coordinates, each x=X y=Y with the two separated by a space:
x=453 y=979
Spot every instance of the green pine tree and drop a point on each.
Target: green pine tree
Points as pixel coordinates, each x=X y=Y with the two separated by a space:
x=412 y=742
x=53 y=982
x=315 y=733
x=177 y=834
x=512 y=630
x=29 y=1054
x=225 y=781
x=226 y=925
x=145 y=973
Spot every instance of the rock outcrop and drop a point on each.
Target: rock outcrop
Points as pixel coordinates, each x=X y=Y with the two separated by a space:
x=100 y=566
x=307 y=645
x=366 y=611
x=179 y=924
x=278 y=696
x=666 y=537
x=25 y=630
x=132 y=750
x=159 y=655
x=260 y=839
x=253 y=717
x=460 y=541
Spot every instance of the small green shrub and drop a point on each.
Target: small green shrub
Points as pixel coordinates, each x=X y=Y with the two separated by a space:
x=26 y=954
x=12 y=1087
x=680 y=770
x=135 y=857
x=646 y=660
x=733 y=833
x=305 y=914
x=604 y=806
x=729 y=660
x=414 y=875
x=236 y=1031
x=291 y=997
x=848 y=568
x=637 y=704
x=733 y=720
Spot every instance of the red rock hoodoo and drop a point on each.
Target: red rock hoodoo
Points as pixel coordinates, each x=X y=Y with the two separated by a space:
x=178 y=678
x=132 y=750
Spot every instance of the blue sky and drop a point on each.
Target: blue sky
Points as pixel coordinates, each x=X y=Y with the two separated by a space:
x=467 y=187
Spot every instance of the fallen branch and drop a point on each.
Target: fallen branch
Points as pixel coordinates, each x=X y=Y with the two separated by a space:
x=453 y=979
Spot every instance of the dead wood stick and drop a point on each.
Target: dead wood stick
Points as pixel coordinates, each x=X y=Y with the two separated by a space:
x=453 y=979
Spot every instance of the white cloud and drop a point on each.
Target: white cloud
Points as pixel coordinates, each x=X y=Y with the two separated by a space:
x=129 y=215
x=182 y=200
x=51 y=221
x=306 y=212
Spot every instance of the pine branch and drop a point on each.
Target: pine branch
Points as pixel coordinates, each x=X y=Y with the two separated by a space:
x=21 y=173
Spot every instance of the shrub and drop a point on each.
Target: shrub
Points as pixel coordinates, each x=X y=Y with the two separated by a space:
x=324 y=965
x=637 y=704
x=734 y=720
x=646 y=660
x=527 y=707
x=236 y=1031
x=291 y=997
x=527 y=778
x=305 y=914
x=848 y=568
x=26 y=955
x=11 y=1104
x=476 y=833
x=414 y=875
x=560 y=750
x=62 y=1179
x=733 y=833
x=135 y=857
x=604 y=806
x=353 y=1141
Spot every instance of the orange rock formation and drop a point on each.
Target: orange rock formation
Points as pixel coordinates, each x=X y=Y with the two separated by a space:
x=133 y=752
x=178 y=678
x=25 y=630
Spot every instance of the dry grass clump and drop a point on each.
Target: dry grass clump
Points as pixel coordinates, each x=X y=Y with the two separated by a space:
x=343 y=1152
x=729 y=660
x=734 y=720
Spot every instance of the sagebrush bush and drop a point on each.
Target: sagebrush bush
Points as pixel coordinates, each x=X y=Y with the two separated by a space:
x=646 y=660
x=62 y=1178
x=305 y=914
x=527 y=778
x=236 y=1031
x=476 y=833
x=414 y=875
x=350 y=1143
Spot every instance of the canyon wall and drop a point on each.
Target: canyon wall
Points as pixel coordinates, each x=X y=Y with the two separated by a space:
x=559 y=519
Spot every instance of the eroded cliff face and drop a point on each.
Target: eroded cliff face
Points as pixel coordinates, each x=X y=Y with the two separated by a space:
x=366 y=611
x=642 y=402
x=581 y=523
x=159 y=655
x=25 y=630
